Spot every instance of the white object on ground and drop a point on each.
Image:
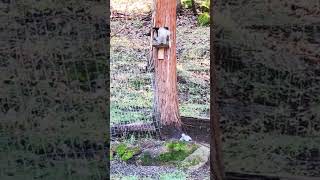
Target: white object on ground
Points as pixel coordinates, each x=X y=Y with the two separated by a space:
x=185 y=137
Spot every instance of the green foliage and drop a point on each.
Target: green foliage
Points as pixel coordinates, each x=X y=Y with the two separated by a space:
x=204 y=19
x=178 y=151
x=121 y=149
x=173 y=156
x=125 y=153
x=186 y=3
x=205 y=5
x=177 y=146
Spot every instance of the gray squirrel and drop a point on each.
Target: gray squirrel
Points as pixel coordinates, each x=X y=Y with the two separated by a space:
x=163 y=35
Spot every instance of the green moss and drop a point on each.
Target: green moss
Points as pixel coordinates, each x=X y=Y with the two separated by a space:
x=125 y=153
x=121 y=149
x=177 y=151
x=173 y=156
x=204 y=19
x=177 y=146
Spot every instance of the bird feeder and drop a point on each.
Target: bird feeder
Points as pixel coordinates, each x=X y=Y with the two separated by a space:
x=158 y=42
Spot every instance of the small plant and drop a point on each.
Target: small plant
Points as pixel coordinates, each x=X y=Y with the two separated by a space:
x=127 y=155
x=204 y=19
x=121 y=149
x=177 y=146
x=186 y=3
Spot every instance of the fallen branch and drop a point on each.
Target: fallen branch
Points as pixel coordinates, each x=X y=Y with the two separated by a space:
x=131 y=128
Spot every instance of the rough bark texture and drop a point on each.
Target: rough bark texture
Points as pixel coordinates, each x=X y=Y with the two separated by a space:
x=216 y=161
x=166 y=109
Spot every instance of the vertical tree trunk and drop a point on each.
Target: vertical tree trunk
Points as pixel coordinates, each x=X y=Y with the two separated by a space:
x=216 y=161
x=166 y=109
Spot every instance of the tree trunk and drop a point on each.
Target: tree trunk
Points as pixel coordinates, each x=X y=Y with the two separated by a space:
x=165 y=103
x=216 y=161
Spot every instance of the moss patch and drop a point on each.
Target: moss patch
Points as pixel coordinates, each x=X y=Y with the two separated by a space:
x=125 y=153
x=177 y=151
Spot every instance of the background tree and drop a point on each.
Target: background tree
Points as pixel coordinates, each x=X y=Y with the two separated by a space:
x=216 y=157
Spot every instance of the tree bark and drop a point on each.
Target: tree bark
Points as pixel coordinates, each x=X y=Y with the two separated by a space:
x=216 y=161
x=165 y=103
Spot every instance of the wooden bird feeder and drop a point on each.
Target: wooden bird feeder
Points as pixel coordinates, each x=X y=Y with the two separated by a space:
x=160 y=46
